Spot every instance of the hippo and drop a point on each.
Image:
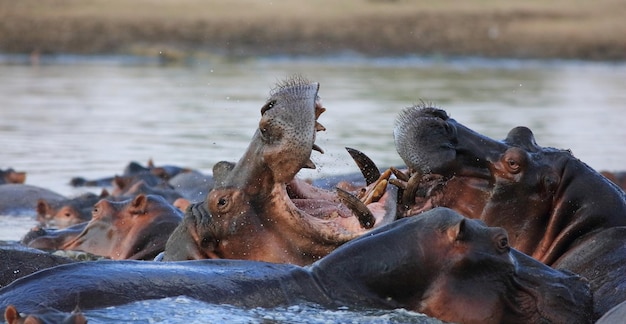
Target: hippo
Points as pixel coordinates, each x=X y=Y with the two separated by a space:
x=440 y=264
x=21 y=199
x=554 y=207
x=259 y=210
x=133 y=168
x=192 y=186
x=19 y=260
x=12 y=316
x=61 y=214
x=141 y=187
x=136 y=228
x=11 y=176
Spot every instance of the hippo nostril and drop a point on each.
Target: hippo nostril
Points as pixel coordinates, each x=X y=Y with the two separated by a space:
x=268 y=106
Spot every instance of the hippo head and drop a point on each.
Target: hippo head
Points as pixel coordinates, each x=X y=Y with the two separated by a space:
x=258 y=209
x=455 y=269
x=11 y=176
x=67 y=212
x=542 y=196
x=136 y=228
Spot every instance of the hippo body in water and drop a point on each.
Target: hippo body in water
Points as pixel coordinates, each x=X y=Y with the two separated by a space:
x=21 y=199
x=440 y=264
x=554 y=207
x=258 y=209
x=149 y=173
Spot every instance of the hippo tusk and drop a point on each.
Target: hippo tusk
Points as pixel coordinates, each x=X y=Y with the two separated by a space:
x=399 y=174
x=375 y=192
x=408 y=196
x=366 y=165
x=365 y=216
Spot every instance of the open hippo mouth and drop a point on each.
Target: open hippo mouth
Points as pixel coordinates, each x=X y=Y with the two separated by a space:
x=439 y=155
x=259 y=210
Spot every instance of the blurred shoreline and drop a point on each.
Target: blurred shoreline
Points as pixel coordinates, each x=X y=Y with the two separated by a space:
x=176 y=30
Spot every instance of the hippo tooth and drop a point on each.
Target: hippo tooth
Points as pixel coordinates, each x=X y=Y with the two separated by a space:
x=319 y=127
x=398 y=183
x=309 y=165
x=408 y=196
x=317 y=148
x=366 y=165
x=318 y=111
x=399 y=174
x=360 y=210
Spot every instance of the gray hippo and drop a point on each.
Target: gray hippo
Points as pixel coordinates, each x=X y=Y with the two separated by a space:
x=21 y=199
x=440 y=264
x=555 y=208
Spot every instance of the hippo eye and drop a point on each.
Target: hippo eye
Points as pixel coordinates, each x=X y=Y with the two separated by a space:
x=513 y=164
x=503 y=243
x=67 y=215
x=222 y=202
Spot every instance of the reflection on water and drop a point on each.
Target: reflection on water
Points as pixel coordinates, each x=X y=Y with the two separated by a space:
x=90 y=117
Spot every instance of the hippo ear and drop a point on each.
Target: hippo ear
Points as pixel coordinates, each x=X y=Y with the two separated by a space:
x=220 y=172
x=119 y=182
x=105 y=193
x=42 y=207
x=456 y=232
x=139 y=204
x=523 y=137
x=11 y=314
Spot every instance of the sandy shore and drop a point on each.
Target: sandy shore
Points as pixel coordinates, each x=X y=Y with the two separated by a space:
x=568 y=29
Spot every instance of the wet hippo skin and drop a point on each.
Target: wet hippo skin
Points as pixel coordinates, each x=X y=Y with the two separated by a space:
x=441 y=264
x=554 y=207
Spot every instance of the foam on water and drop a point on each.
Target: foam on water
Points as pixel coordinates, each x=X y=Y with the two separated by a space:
x=187 y=311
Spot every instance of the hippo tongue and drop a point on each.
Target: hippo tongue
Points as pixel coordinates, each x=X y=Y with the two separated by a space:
x=323 y=209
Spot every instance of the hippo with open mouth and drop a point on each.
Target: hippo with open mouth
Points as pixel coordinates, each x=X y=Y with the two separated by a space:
x=440 y=264
x=554 y=207
x=259 y=210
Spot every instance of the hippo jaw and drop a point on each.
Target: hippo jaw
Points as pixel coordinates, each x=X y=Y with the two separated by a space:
x=450 y=169
x=548 y=295
x=259 y=199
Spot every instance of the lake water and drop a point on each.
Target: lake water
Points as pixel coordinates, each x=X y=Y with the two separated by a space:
x=78 y=116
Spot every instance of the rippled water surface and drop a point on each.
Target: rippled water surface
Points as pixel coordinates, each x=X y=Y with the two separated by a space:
x=73 y=116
